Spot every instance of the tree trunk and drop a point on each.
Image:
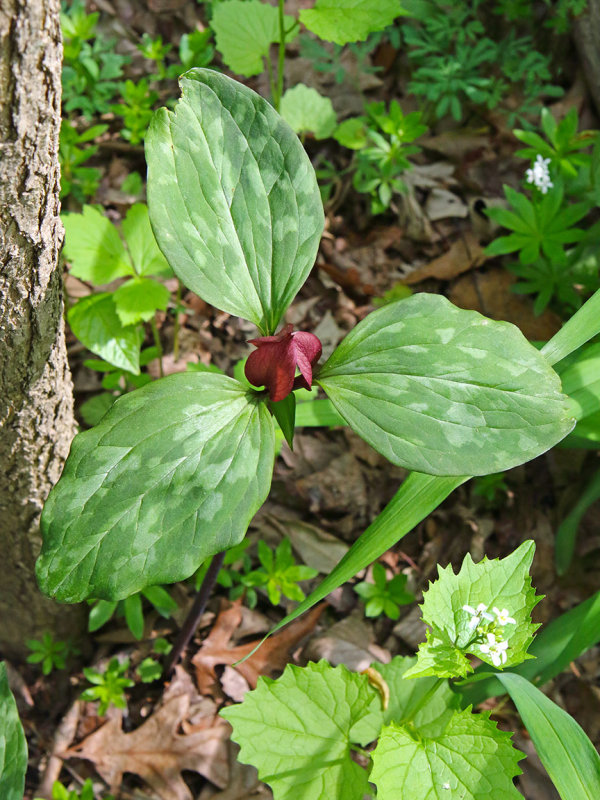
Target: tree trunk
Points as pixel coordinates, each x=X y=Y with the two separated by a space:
x=36 y=401
x=586 y=32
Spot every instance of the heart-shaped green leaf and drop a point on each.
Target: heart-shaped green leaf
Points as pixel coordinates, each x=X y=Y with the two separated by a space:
x=297 y=731
x=95 y=322
x=244 y=32
x=446 y=391
x=94 y=248
x=343 y=21
x=469 y=758
x=171 y=475
x=233 y=198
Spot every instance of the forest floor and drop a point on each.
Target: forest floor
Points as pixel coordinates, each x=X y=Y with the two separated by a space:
x=327 y=491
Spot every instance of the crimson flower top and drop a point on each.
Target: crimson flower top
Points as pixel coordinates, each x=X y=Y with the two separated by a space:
x=273 y=364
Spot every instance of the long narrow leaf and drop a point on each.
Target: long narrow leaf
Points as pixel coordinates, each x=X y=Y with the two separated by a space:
x=582 y=326
x=566 y=535
x=564 y=749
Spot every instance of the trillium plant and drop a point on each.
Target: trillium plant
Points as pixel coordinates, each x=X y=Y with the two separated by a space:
x=174 y=472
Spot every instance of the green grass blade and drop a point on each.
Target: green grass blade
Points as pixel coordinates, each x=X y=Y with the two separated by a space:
x=566 y=535
x=582 y=326
x=564 y=749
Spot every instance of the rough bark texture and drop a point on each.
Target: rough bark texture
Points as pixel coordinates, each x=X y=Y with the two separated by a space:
x=586 y=30
x=36 y=406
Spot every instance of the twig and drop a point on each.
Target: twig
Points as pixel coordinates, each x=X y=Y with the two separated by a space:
x=195 y=613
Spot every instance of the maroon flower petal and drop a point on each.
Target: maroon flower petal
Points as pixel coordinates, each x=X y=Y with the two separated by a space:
x=273 y=364
x=307 y=351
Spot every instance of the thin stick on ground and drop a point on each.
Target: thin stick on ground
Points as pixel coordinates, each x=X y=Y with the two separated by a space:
x=195 y=613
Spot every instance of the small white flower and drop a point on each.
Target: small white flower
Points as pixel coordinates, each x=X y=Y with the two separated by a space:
x=477 y=614
x=446 y=786
x=495 y=650
x=503 y=618
x=539 y=174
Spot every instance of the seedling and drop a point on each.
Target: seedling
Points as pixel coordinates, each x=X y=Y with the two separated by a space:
x=384 y=596
x=280 y=574
x=149 y=670
x=136 y=108
x=108 y=686
x=382 y=140
x=60 y=792
x=51 y=653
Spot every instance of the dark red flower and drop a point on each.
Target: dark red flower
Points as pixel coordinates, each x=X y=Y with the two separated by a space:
x=273 y=364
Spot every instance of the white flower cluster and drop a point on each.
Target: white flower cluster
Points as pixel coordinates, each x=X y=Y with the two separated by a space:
x=539 y=174
x=495 y=647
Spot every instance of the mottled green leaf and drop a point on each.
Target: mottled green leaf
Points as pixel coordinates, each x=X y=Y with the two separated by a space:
x=297 y=731
x=446 y=391
x=233 y=198
x=471 y=759
x=171 y=475
x=244 y=32
x=343 y=21
x=13 y=748
x=95 y=322
x=139 y=299
x=307 y=111
x=94 y=248
x=145 y=253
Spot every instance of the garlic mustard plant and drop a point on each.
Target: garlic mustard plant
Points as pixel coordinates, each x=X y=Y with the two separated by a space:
x=422 y=738
x=495 y=649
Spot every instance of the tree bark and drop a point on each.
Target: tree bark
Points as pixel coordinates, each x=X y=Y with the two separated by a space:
x=586 y=32
x=36 y=399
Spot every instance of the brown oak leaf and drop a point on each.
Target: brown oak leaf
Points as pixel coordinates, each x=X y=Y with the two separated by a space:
x=271 y=656
x=157 y=752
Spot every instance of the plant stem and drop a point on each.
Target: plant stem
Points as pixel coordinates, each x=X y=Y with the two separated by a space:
x=158 y=345
x=195 y=613
x=176 y=329
x=281 y=58
x=272 y=84
x=426 y=697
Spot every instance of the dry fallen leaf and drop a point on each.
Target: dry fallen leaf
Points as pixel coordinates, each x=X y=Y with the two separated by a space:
x=243 y=782
x=489 y=293
x=348 y=642
x=157 y=752
x=271 y=657
x=463 y=255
